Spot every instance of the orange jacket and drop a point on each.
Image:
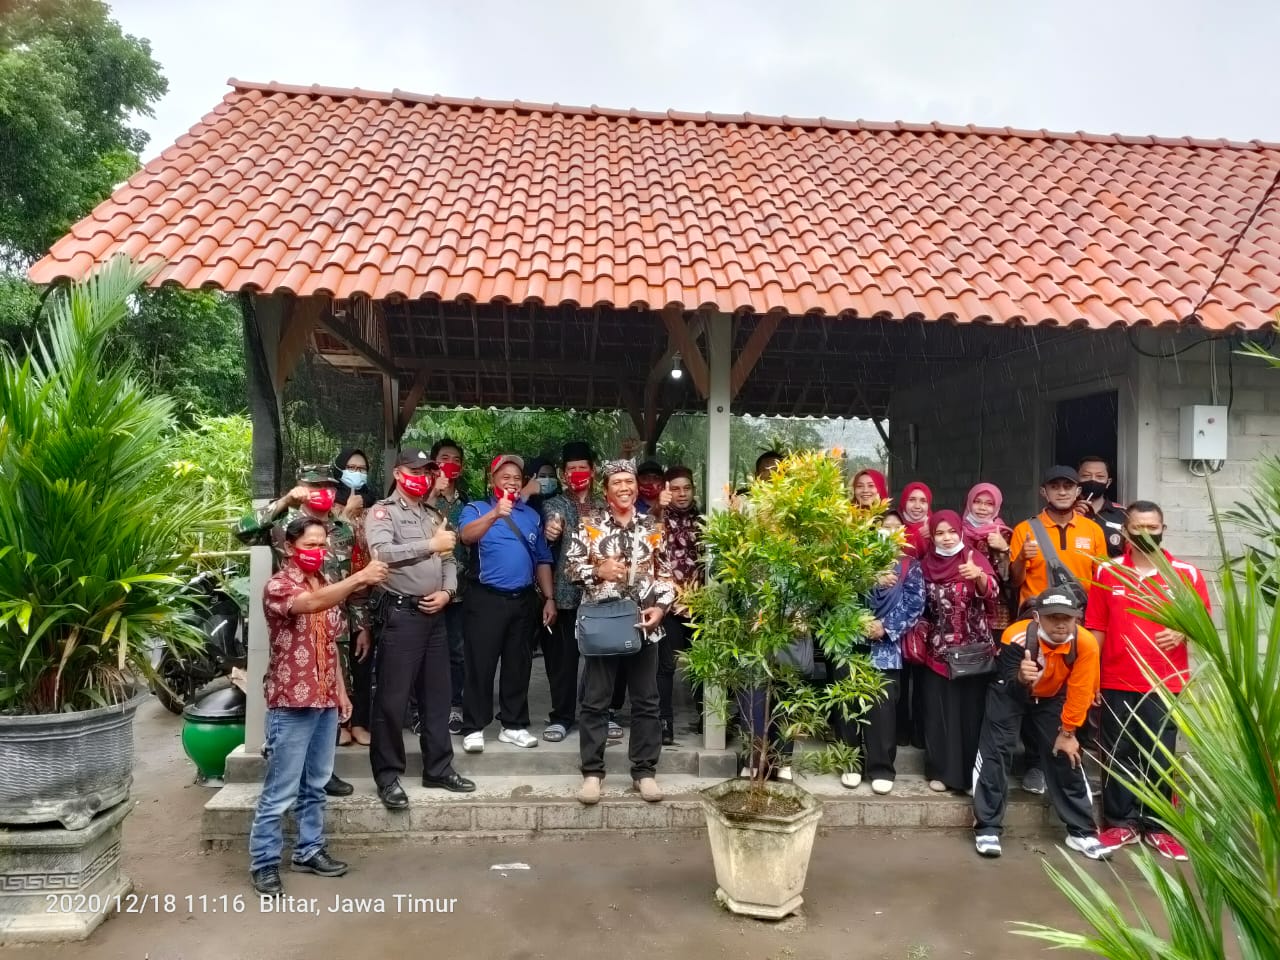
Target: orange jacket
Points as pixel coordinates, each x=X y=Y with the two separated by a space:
x=1079 y=677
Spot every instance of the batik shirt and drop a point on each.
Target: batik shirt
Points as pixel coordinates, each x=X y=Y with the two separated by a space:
x=683 y=530
x=886 y=653
x=641 y=545
x=568 y=594
x=955 y=616
x=302 y=670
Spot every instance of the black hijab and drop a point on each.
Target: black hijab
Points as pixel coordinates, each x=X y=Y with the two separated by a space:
x=339 y=464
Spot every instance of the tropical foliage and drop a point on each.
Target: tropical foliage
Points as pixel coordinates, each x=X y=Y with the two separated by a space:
x=94 y=534
x=1227 y=902
x=792 y=562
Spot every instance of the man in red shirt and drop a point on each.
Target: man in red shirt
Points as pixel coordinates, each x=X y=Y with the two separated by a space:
x=1132 y=711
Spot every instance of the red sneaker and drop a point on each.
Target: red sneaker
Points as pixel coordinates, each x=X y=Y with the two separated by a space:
x=1113 y=838
x=1164 y=844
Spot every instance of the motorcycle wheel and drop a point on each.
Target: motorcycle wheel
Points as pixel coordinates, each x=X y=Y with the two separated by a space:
x=173 y=686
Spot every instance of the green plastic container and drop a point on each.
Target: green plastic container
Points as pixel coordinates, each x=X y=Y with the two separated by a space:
x=212 y=727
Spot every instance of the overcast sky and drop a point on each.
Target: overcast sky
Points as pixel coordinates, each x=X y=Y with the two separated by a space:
x=1175 y=67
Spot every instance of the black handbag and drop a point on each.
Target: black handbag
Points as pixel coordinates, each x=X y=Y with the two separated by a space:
x=609 y=629
x=969 y=660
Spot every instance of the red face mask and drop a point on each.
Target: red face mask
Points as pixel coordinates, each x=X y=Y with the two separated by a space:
x=451 y=471
x=414 y=485
x=310 y=561
x=650 y=491
x=578 y=480
x=321 y=500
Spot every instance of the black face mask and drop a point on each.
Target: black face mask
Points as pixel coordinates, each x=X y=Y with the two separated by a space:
x=1092 y=489
x=1147 y=542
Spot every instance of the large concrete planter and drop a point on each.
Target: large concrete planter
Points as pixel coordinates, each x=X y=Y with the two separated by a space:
x=58 y=884
x=66 y=767
x=761 y=861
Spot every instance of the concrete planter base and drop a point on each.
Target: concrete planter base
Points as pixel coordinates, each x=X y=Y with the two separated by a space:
x=761 y=862
x=58 y=884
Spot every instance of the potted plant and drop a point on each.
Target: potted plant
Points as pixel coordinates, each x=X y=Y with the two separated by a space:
x=787 y=568
x=91 y=551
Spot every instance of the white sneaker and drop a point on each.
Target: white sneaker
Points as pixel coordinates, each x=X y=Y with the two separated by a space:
x=518 y=738
x=881 y=786
x=987 y=844
x=747 y=773
x=1090 y=846
x=850 y=780
x=474 y=742
x=937 y=786
x=785 y=774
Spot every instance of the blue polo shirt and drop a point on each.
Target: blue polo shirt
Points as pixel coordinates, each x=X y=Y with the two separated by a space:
x=506 y=563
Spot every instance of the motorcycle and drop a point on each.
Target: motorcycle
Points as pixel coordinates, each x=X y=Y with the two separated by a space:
x=182 y=674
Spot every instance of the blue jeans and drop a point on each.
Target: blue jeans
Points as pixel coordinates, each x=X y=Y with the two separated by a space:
x=457 y=663
x=299 y=748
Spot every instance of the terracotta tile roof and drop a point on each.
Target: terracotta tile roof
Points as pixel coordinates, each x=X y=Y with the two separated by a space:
x=321 y=191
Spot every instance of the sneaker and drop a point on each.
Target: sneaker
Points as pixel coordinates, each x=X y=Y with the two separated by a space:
x=455 y=721
x=881 y=786
x=267 y=881
x=1033 y=782
x=987 y=844
x=1165 y=845
x=850 y=780
x=518 y=738
x=937 y=786
x=786 y=774
x=1090 y=846
x=474 y=742
x=650 y=792
x=589 y=794
x=1113 y=838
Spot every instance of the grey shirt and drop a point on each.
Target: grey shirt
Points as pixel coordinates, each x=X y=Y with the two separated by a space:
x=397 y=532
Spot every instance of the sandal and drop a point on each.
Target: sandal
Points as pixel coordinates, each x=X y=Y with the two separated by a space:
x=344 y=736
x=615 y=731
x=554 y=733
x=361 y=736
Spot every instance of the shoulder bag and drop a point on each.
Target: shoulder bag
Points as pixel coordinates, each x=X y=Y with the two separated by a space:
x=1058 y=574
x=609 y=628
x=969 y=660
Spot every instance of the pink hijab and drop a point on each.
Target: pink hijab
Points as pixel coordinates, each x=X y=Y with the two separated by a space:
x=975 y=531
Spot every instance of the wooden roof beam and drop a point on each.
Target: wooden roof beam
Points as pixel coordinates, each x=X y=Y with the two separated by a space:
x=752 y=351
x=694 y=361
x=357 y=343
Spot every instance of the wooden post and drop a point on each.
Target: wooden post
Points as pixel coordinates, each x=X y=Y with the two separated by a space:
x=719 y=329
x=262 y=318
x=255 y=708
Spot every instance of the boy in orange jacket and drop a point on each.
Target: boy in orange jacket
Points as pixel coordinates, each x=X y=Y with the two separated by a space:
x=1046 y=670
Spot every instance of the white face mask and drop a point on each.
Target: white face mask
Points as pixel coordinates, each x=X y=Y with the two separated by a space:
x=949 y=551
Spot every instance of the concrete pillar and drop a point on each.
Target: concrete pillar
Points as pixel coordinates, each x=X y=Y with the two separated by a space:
x=255 y=713
x=719 y=397
x=1138 y=447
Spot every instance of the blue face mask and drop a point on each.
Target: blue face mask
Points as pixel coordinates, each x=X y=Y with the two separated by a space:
x=547 y=485
x=355 y=479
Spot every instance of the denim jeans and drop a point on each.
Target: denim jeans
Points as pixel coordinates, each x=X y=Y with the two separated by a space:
x=299 y=748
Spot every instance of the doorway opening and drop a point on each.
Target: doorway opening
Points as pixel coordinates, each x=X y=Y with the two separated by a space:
x=1087 y=426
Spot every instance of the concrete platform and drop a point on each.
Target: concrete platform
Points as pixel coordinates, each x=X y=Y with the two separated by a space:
x=523 y=807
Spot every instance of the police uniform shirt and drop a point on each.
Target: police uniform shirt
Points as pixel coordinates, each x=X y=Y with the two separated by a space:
x=397 y=532
x=1111 y=518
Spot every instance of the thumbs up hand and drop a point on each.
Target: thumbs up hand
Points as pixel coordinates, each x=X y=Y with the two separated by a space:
x=1028 y=670
x=970 y=570
x=664 y=498
x=1031 y=549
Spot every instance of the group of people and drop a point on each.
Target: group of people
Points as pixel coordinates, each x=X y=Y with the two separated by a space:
x=989 y=634
x=411 y=606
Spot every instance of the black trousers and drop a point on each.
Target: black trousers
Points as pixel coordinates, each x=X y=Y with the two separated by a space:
x=361 y=691
x=1068 y=786
x=1127 y=743
x=619 y=688
x=875 y=733
x=560 y=656
x=910 y=719
x=498 y=626
x=599 y=674
x=675 y=640
x=952 y=723
x=413 y=655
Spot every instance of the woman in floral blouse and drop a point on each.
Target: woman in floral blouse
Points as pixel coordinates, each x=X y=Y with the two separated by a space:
x=960 y=600
x=306 y=699
x=897 y=604
x=620 y=554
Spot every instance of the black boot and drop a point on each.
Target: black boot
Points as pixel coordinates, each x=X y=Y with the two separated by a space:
x=267 y=881
x=668 y=733
x=337 y=787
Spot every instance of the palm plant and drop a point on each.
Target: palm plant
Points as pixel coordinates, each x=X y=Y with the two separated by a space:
x=1227 y=903
x=792 y=564
x=91 y=545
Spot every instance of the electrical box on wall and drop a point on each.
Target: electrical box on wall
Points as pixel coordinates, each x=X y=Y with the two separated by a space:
x=1203 y=433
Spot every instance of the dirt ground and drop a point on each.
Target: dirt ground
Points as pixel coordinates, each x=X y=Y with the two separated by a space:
x=909 y=896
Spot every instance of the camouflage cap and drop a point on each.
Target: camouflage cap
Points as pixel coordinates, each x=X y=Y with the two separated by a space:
x=316 y=476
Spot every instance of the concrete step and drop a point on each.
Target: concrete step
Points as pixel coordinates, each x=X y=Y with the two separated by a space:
x=527 y=807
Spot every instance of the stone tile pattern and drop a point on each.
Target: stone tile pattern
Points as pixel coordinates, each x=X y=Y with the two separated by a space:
x=320 y=191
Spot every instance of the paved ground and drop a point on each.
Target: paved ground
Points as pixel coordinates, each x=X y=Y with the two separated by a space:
x=912 y=896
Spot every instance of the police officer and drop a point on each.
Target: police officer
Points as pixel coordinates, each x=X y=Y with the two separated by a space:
x=413 y=644
x=1095 y=503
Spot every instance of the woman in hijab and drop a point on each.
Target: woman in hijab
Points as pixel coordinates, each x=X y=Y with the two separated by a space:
x=960 y=597
x=897 y=604
x=868 y=488
x=915 y=504
x=987 y=534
